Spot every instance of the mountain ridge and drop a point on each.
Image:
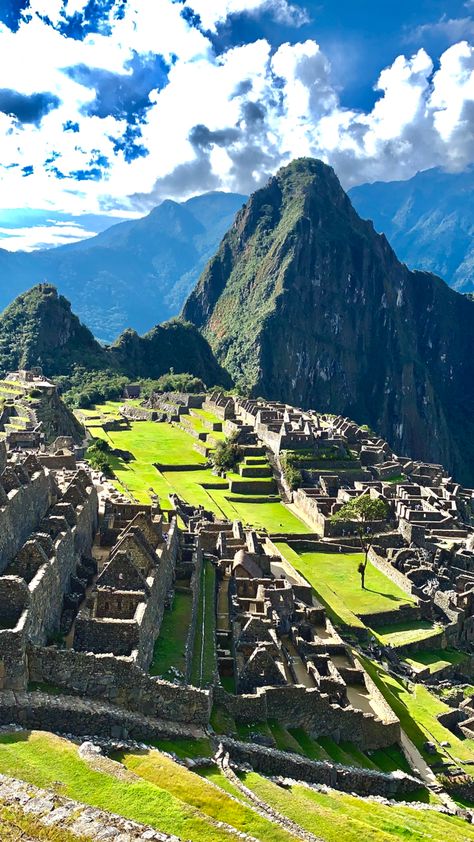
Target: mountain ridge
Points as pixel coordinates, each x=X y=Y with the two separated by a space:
x=39 y=328
x=135 y=272
x=428 y=219
x=304 y=302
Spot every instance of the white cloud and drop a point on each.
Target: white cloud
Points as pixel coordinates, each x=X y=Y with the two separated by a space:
x=213 y=12
x=452 y=29
x=42 y=236
x=222 y=121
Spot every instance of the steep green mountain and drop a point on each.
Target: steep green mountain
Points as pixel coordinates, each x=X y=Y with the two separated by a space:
x=135 y=273
x=39 y=328
x=429 y=221
x=305 y=302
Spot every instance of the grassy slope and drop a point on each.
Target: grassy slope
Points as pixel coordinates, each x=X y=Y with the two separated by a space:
x=343 y=818
x=169 y=445
x=169 y=649
x=418 y=710
x=336 y=582
x=195 y=790
x=436 y=659
x=403 y=634
x=45 y=760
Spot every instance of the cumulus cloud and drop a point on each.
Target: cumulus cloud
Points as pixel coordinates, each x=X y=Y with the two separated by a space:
x=214 y=12
x=135 y=106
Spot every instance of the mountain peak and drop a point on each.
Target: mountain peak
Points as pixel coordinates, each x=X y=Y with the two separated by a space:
x=304 y=302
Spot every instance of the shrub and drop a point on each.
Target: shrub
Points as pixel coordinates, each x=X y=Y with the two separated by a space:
x=227 y=454
x=98 y=456
x=291 y=473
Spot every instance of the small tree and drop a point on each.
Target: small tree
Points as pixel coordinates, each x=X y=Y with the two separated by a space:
x=363 y=511
x=227 y=454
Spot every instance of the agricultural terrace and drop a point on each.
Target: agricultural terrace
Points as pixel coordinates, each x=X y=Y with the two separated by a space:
x=336 y=583
x=168 y=445
x=418 y=710
x=149 y=787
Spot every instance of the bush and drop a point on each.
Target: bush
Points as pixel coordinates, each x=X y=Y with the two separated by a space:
x=292 y=475
x=83 y=388
x=98 y=456
x=227 y=454
x=172 y=382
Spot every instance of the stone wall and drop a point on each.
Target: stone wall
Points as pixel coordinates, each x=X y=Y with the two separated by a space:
x=391 y=572
x=346 y=778
x=117 y=680
x=85 y=718
x=195 y=585
x=298 y=707
x=150 y=622
x=21 y=512
x=68 y=816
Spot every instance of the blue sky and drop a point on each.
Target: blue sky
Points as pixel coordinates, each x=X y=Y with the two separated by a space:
x=109 y=106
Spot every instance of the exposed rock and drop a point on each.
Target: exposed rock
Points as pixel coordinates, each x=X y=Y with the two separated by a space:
x=304 y=302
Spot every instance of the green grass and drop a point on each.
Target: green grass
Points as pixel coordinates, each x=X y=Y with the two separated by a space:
x=186 y=748
x=169 y=649
x=204 y=664
x=311 y=748
x=196 y=791
x=436 y=659
x=337 y=817
x=166 y=444
x=49 y=761
x=402 y=634
x=390 y=759
x=335 y=579
x=417 y=710
x=245 y=730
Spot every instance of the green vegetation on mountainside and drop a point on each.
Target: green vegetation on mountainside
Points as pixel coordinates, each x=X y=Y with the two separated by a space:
x=291 y=305
x=38 y=328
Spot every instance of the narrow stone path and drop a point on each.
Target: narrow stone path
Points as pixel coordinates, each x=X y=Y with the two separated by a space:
x=421 y=768
x=258 y=805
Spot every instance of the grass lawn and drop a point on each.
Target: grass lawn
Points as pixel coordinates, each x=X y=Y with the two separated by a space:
x=335 y=578
x=165 y=444
x=169 y=649
x=196 y=791
x=436 y=659
x=204 y=665
x=337 y=817
x=185 y=747
x=49 y=761
x=402 y=634
x=272 y=516
x=417 y=710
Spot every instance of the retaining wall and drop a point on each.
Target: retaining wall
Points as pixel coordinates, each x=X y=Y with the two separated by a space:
x=298 y=707
x=346 y=778
x=117 y=680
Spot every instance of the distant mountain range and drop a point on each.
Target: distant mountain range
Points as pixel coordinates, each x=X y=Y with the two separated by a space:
x=304 y=302
x=139 y=272
x=428 y=220
x=136 y=273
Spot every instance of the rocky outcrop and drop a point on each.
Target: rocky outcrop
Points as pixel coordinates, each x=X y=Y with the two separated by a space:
x=304 y=302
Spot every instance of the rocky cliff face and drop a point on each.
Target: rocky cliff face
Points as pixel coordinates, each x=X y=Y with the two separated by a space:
x=305 y=302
